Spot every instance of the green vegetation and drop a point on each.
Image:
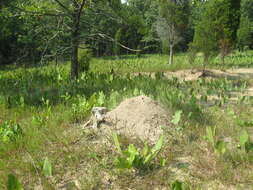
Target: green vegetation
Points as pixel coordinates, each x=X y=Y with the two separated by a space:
x=245 y=142
x=218 y=145
x=13 y=183
x=9 y=131
x=133 y=158
x=61 y=58
x=36 y=32
x=42 y=109
x=47 y=168
x=155 y=63
x=215 y=32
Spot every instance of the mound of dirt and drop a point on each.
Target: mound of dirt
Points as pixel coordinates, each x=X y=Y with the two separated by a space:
x=195 y=74
x=186 y=75
x=138 y=117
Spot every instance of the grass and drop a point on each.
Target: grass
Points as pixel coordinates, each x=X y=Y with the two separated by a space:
x=50 y=110
x=156 y=63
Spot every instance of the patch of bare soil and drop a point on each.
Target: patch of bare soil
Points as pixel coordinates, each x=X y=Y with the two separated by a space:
x=243 y=72
x=195 y=74
x=249 y=92
x=138 y=117
x=186 y=75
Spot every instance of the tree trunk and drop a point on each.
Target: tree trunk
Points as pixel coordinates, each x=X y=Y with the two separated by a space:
x=76 y=16
x=171 y=55
x=74 y=57
x=74 y=48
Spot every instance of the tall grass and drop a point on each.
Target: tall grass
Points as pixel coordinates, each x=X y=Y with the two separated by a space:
x=155 y=63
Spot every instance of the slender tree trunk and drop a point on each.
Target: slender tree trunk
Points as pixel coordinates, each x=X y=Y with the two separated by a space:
x=76 y=16
x=171 y=55
x=74 y=57
x=74 y=48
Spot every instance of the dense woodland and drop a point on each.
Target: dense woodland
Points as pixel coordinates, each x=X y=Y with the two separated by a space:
x=35 y=32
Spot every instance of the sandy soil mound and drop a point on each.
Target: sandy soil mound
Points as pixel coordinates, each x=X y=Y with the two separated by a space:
x=139 y=117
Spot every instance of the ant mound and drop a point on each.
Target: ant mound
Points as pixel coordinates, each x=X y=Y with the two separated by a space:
x=138 y=117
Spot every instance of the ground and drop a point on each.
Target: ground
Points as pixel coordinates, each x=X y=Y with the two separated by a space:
x=207 y=114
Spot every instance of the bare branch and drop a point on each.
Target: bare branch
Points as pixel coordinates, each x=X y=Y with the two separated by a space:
x=47 y=44
x=121 y=45
x=105 y=36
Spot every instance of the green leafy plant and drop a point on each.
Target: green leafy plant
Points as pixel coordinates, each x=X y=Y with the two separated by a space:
x=244 y=123
x=46 y=103
x=39 y=121
x=66 y=97
x=178 y=185
x=177 y=117
x=132 y=158
x=116 y=142
x=13 y=183
x=47 y=168
x=244 y=138
x=245 y=142
x=162 y=162
x=82 y=106
x=9 y=131
x=210 y=135
x=101 y=98
x=219 y=146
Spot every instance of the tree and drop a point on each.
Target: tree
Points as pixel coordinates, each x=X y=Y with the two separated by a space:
x=171 y=22
x=10 y=26
x=73 y=12
x=26 y=32
x=245 y=31
x=234 y=18
x=35 y=32
x=168 y=35
x=215 y=31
